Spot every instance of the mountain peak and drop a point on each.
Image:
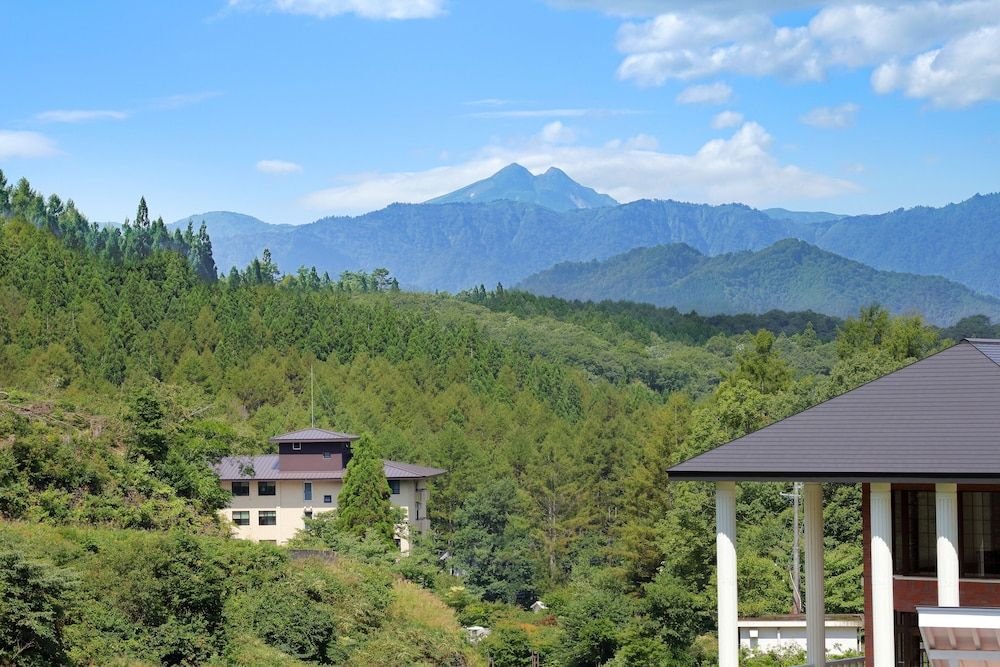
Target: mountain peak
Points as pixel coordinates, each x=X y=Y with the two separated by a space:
x=514 y=168
x=553 y=189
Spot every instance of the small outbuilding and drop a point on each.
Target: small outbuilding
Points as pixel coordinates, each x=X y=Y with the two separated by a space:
x=781 y=633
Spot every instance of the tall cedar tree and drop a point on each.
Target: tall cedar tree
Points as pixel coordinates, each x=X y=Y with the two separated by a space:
x=363 y=507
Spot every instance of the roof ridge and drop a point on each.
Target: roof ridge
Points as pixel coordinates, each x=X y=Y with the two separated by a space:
x=976 y=342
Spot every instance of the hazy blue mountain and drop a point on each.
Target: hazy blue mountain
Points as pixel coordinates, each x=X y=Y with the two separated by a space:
x=789 y=275
x=553 y=189
x=228 y=223
x=958 y=241
x=236 y=238
x=456 y=246
x=807 y=217
x=452 y=246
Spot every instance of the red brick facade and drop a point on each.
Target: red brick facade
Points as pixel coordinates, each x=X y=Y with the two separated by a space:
x=910 y=592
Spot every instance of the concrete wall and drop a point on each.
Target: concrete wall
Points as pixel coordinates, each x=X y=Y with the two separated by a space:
x=838 y=639
x=290 y=506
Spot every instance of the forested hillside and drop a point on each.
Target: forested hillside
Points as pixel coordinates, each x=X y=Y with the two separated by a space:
x=123 y=380
x=957 y=241
x=789 y=275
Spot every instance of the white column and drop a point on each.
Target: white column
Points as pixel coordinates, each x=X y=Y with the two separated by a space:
x=725 y=550
x=815 y=605
x=882 y=642
x=946 y=512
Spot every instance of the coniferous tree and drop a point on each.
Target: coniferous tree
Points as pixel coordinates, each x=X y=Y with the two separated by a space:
x=146 y=418
x=363 y=507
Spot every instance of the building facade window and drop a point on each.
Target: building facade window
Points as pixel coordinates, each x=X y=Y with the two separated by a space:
x=327 y=455
x=241 y=518
x=914 y=538
x=327 y=499
x=914 y=534
x=266 y=488
x=297 y=446
x=241 y=488
x=394 y=486
x=979 y=541
x=267 y=518
x=307 y=491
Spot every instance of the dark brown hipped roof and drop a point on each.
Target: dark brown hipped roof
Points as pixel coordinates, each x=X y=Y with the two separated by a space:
x=314 y=435
x=265 y=467
x=935 y=420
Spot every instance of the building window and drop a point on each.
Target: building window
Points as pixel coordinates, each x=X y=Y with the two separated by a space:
x=394 y=486
x=296 y=446
x=327 y=455
x=327 y=499
x=267 y=518
x=241 y=518
x=268 y=541
x=308 y=514
x=265 y=488
x=914 y=534
x=307 y=491
x=979 y=514
x=241 y=488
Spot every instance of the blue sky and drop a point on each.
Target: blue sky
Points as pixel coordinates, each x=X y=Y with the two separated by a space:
x=294 y=109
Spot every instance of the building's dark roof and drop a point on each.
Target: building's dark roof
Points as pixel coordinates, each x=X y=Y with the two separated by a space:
x=313 y=435
x=265 y=467
x=935 y=420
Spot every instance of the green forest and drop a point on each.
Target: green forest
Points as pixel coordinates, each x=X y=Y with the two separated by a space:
x=125 y=374
x=789 y=274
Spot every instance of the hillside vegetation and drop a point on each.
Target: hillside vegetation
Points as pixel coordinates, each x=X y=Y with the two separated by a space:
x=123 y=381
x=789 y=275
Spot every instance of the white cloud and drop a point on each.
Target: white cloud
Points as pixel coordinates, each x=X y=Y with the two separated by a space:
x=489 y=102
x=642 y=142
x=17 y=144
x=79 y=115
x=557 y=133
x=705 y=93
x=185 y=99
x=738 y=168
x=370 y=9
x=653 y=7
x=831 y=117
x=278 y=167
x=725 y=119
x=964 y=72
x=943 y=51
x=554 y=113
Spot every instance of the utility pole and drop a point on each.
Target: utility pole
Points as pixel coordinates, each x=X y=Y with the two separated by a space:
x=796 y=573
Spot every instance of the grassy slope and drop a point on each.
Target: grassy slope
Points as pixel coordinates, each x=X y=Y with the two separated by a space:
x=416 y=628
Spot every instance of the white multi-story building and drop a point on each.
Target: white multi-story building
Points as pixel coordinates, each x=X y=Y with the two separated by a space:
x=272 y=494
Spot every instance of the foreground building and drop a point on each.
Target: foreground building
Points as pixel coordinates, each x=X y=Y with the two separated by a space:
x=273 y=494
x=924 y=443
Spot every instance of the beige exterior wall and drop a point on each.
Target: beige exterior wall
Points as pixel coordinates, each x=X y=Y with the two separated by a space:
x=289 y=505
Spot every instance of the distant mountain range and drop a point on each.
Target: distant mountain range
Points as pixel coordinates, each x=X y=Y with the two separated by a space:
x=789 y=275
x=456 y=246
x=553 y=189
x=462 y=242
x=226 y=224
